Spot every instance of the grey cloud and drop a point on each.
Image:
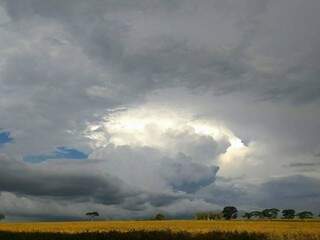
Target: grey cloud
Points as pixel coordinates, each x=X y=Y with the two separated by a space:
x=161 y=172
x=20 y=207
x=63 y=189
x=251 y=64
x=114 y=180
x=200 y=148
x=26 y=207
x=295 y=191
x=83 y=185
x=290 y=192
x=184 y=175
x=224 y=193
x=280 y=133
x=115 y=68
x=305 y=164
x=61 y=181
x=171 y=58
x=40 y=85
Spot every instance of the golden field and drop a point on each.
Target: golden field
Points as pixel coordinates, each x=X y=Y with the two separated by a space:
x=288 y=229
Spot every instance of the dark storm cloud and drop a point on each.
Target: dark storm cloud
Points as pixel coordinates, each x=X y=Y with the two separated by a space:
x=161 y=172
x=81 y=182
x=104 y=30
x=187 y=176
x=59 y=181
x=251 y=64
x=296 y=191
x=224 y=194
x=290 y=192
x=66 y=189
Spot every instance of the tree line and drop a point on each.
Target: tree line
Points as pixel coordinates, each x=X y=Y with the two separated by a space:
x=231 y=212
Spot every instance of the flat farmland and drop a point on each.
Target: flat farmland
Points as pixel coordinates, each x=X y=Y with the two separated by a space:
x=267 y=229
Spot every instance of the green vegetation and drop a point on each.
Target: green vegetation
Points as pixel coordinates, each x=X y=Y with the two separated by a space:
x=288 y=213
x=92 y=215
x=159 y=217
x=214 y=215
x=271 y=213
x=253 y=214
x=231 y=212
x=305 y=215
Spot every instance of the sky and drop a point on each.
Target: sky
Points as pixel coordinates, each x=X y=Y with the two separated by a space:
x=135 y=107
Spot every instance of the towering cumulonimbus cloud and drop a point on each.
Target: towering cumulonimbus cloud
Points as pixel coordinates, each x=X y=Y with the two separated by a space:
x=174 y=149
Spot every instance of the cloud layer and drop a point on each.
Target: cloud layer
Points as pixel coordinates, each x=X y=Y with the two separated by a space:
x=171 y=105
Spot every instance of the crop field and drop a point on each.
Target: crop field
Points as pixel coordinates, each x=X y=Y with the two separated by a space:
x=226 y=230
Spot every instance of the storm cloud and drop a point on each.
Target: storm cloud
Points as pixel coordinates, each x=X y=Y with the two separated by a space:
x=170 y=105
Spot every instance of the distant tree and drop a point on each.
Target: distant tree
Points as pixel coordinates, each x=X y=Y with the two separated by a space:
x=305 y=215
x=215 y=215
x=247 y=215
x=230 y=212
x=159 y=217
x=256 y=214
x=92 y=215
x=202 y=216
x=2 y=216
x=288 y=213
x=274 y=212
x=270 y=213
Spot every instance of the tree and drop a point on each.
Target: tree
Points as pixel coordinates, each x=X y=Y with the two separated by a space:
x=256 y=214
x=202 y=216
x=247 y=215
x=230 y=212
x=92 y=215
x=215 y=215
x=305 y=214
x=288 y=213
x=159 y=217
x=270 y=213
x=2 y=216
x=274 y=212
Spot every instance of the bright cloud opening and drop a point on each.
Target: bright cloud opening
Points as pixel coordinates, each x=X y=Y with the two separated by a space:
x=168 y=130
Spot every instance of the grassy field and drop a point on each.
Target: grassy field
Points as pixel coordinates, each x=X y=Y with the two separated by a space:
x=302 y=230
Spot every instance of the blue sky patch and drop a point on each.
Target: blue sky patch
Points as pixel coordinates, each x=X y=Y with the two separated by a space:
x=59 y=153
x=5 y=138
